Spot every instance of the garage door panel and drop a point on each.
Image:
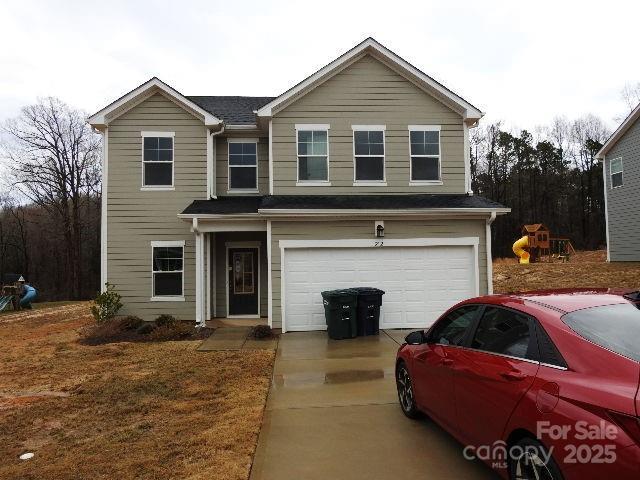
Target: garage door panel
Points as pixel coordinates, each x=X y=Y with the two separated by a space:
x=420 y=282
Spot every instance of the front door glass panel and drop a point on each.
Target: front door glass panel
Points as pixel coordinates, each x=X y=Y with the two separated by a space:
x=243 y=274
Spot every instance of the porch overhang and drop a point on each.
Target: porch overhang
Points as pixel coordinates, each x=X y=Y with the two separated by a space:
x=227 y=212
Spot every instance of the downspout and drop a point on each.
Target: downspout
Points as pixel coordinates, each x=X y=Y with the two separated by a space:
x=489 y=256
x=214 y=153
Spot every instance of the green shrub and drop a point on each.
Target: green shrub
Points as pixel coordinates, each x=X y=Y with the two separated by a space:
x=146 y=328
x=261 y=331
x=106 y=304
x=131 y=322
x=165 y=320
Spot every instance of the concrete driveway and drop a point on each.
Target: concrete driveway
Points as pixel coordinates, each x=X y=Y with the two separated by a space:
x=332 y=413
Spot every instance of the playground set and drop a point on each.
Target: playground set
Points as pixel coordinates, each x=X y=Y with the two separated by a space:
x=16 y=292
x=537 y=245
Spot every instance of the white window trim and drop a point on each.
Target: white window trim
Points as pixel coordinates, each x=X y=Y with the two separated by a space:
x=229 y=166
x=148 y=188
x=167 y=298
x=611 y=173
x=370 y=128
x=425 y=128
x=312 y=127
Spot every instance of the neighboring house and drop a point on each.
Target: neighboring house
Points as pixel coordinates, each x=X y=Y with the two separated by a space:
x=251 y=206
x=620 y=157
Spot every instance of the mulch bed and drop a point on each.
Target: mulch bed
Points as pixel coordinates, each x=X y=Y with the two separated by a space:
x=118 y=330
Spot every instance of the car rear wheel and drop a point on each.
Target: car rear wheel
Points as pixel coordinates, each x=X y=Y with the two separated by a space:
x=405 y=391
x=530 y=460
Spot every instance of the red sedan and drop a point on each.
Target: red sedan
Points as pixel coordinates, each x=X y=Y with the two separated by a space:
x=542 y=385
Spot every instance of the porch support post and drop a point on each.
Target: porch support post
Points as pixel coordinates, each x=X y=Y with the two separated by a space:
x=200 y=300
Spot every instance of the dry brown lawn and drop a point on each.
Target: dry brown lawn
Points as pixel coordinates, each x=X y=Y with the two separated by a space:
x=124 y=410
x=584 y=270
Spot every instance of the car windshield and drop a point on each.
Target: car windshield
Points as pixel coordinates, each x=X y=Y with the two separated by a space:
x=614 y=327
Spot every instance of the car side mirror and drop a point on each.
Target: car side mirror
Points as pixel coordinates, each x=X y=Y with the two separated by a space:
x=416 y=338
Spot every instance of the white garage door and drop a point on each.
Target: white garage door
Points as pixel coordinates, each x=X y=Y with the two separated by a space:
x=420 y=282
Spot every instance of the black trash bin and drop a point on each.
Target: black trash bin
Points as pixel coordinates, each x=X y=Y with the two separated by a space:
x=340 y=313
x=368 y=314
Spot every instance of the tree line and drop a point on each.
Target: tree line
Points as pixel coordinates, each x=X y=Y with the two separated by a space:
x=550 y=177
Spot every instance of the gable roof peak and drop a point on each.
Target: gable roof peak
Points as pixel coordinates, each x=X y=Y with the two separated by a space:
x=626 y=124
x=152 y=86
x=369 y=45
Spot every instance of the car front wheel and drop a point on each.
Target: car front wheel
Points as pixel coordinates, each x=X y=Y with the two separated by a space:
x=530 y=460
x=405 y=391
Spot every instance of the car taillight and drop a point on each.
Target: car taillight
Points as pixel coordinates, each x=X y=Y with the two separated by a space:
x=629 y=423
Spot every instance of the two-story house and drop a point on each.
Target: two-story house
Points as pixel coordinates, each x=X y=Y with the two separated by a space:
x=620 y=157
x=249 y=207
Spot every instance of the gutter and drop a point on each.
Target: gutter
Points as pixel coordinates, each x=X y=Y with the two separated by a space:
x=262 y=213
x=383 y=212
x=214 y=153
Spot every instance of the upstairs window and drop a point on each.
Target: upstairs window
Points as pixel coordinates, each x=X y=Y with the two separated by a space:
x=368 y=150
x=615 y=168
x=243 y=165
x=313 y=153
x=168 y=269
x=424 y=145
x=157 y=159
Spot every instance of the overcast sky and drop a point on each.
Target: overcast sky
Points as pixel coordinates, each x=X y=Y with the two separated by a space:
x=521 y=62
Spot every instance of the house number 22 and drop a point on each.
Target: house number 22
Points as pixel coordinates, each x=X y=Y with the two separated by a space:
x=378 y=244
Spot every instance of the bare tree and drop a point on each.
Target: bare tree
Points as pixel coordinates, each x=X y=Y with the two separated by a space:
x=53 y=158
x=630 y=95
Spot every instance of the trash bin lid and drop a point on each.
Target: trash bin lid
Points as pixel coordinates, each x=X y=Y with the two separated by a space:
x=368 y=291
x=342 y=292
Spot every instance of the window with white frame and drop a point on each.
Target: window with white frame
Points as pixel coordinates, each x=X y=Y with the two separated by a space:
x=368 y=152
x=243 y=164
x=157 y=159
x=167 y=269
x=313 y=153
x=424 y=146
x=615 y=169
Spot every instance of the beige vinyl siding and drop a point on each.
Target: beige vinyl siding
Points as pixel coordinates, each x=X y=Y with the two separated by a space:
x=221 y=272
x=363 y=229
x=368 y=92
x=222 y=159
x=135 y=218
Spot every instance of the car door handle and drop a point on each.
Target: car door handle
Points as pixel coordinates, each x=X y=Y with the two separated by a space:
x=446 y=361
x=513 y=375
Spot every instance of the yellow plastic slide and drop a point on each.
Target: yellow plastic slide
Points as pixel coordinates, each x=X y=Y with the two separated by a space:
x=519 y=249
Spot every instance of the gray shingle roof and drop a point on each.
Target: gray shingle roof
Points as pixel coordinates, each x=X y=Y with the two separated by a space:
x=232 y=109
x=251 y=204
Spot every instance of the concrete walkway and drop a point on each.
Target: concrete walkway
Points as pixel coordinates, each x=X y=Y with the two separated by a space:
x=332 y=413
x=235 y=338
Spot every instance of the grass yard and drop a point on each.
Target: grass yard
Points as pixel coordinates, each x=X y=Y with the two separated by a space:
x=585 y=269
x=40 y=306
x=123 y=410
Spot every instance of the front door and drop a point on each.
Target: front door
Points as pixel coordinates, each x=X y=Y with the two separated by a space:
x=243 y=281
